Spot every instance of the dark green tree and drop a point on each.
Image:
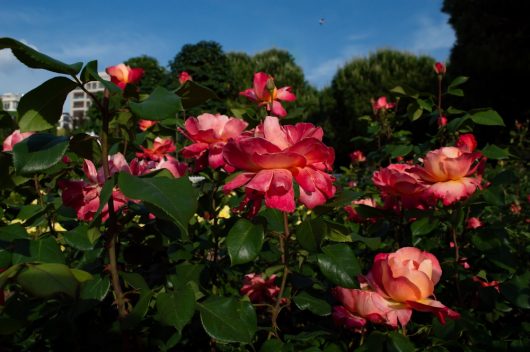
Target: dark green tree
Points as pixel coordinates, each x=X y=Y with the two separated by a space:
x=208 y=65
x=154 y=74
x=363 y=79
x=492 y=48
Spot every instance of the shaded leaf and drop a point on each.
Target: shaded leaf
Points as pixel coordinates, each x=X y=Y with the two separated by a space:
x=176 y=308
x=161 y=104
x=244 y=241
x=339 y=264
x=488 y=118
x=304 y=301
x=47 y=279
x=38 y=152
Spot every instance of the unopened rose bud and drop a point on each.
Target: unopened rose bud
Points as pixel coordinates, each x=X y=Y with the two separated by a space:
x=442 y=121
x=440 y=68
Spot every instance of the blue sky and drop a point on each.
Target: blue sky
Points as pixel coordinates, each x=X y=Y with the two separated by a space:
x=113 y=31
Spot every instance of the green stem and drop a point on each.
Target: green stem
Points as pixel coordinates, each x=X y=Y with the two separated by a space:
x=284 y=254
x=457 y=259
x=112 y=231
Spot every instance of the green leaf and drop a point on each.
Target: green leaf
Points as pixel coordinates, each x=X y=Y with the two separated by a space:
x=41 y=108
x=34 y=59
x=244 y=241
x=273 y=219
x=458 y=81
x=42 y=250
x=89 y=72
x=161 y=104
x=175 y=197
x=374 y=343
x=139 y=311
x=399 y=343
x=193 y=94
x=81 y=276
x=398 y=150
x=517 y=290
x=228 y=320
x=38 y=153
x=304 y=301
x=310 y=234
x=417 y=114
x=185 y=273
x=455 y=91
x=177 y=308
x=423 y=226
x=9 y=233
x=135 y=280
x=339 y=264
x=96 y=289
x=493 y=152
x=104 y=196
x=78 y=238
x=488 y=118
x=9 y=273
x=371 y=242
x=86 y=146
x=47 y=279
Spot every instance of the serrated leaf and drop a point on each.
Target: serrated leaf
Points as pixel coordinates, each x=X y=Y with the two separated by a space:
x=304 y=301
x=38 y=153
x=244 y=241
x=96 y=289
x=228 y=320
x=339 y=264
x=494 y=152
x=161 y=104
x=34 y=59
x=41 y=108
x=175 y=197
x=487 y=118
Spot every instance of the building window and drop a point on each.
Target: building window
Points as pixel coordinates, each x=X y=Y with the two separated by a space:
x=79 y=95
x=6 y=106
x=78 y=104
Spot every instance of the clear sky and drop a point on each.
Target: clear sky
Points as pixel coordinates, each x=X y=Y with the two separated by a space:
x=113 y=31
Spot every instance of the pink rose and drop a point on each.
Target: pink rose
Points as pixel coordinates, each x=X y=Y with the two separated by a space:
x=474 y=223
x=121 y=75
x=209 y=134
x=398 y=183
x=442 y=121
x=352 y=212
x=160 y=149
x=382 y=104
x=144 y=125
x=357 y=156
x=448 y=172
x=258 y=289
x=274 y=156
x=13 y=139
x=266 y=94
x=141 y=167
x=184 y=77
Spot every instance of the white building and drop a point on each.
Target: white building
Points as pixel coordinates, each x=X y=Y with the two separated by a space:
x=10 y=101
x=66 y=121
x=80 y=101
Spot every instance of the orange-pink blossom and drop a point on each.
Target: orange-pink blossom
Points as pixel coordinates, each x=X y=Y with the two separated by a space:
x=266 y=94
x=122 y=75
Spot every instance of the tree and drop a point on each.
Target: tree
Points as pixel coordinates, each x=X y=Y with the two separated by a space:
x=208 y=65
x=492 y=48
x=154 y=74
x=361 y=80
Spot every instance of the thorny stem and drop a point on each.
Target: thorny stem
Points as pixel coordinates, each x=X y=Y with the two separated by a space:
x=113 y=234
x=283 y=253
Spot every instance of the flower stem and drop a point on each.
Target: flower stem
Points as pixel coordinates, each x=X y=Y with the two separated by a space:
x=457 y=259
x=113 y=234
x=283 y=253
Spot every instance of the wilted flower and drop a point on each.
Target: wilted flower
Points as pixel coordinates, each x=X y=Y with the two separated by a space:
x=84 y=196
x=440 y=68
x=160 y=149
x=144 y=125
x=184 y=77
x=382 y=104
x=209 y=134
x=274 y=156
x=466 y=143
x=357 y=156
x=13 y=139
x=122 y=75
x=258 y=289
x=474 y=223
x=265 y=93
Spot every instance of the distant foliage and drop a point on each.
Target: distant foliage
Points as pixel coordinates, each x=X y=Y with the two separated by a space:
x=154 y=74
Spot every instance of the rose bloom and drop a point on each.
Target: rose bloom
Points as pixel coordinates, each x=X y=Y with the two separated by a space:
x=474 y=223
x=13 y=139
x=398 y=183
x=258 y=289
x=184 y=77
x=121 y=75
x=357 y=156
x=440 y=68
x=448 y=172
x=265 y=93
x=209 y=134
x=408 y=276
x=382 y=104
x=360 y=306
x=144 y=125
x=274 y=156
x=466 y=143
x=84 y=196
x=160 y=149
x=352 y=212
x=141 y=167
